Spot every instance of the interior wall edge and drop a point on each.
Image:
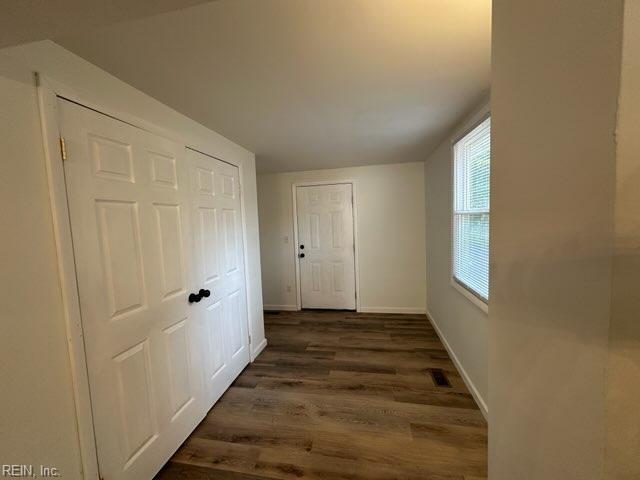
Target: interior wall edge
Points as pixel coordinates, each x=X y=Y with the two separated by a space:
x=552 y=235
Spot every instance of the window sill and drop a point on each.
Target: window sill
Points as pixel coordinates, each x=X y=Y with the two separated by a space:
x=470 y=296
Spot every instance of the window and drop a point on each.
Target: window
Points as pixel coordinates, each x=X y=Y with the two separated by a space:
x=471 y=166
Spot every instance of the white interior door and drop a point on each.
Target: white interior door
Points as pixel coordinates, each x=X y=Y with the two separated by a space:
x=132 y=198
x=326 y=246
x=219 y=270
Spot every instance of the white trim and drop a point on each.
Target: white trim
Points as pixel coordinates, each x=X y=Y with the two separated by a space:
x=85 y=99
x=245 y=252
x=48 y=91
x=287 y=308
x=478 y=302
x=294 y=247
x=354 y=209
x=258 y=350
x=469 y=126
x=405 y=310
x=484 y=409
x=67 y=272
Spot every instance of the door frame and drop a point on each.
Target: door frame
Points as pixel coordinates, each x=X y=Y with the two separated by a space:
x=354 y=207
x=48 y=92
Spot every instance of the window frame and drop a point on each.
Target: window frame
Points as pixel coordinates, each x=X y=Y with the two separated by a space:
x=470 y=294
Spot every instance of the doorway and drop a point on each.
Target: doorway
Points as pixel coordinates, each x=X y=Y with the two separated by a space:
x=325 y=245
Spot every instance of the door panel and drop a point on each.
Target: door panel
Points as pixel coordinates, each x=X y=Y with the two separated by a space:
x=234 y=309
x=135 y=399
x=150 y=225
x=325 y=236
x=215 y=330
x=230 y=233
x=119 y=230
x=219 y=268
x=178 y=347
x=169 y=234
x=209 y=244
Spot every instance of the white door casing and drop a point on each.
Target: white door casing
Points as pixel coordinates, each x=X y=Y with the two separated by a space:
x=131 y=201
x=325 y=247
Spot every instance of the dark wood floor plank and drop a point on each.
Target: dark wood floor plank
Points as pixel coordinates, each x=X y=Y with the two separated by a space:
x=341 y=396
x=184 y=471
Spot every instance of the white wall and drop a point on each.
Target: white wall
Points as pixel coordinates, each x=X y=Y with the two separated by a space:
x=37 y=414
x=622 y=445
x=37 y=411
x=553 y=102
x=462 y=325
x=391 y=248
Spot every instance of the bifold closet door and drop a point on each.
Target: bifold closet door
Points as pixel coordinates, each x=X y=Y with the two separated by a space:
x=219 y=269
x=131 y=197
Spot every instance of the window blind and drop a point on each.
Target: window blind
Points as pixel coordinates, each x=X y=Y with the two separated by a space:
x=472 y=159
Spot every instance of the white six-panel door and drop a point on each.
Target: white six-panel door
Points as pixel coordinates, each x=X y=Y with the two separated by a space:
x=219 y=269
x=133 y=198
x=326 y=246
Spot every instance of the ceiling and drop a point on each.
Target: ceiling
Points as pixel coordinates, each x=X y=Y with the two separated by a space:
x=23 y=21
x=309 y=84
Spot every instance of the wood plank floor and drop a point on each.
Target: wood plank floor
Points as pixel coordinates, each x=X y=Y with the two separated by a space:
x=345 y=396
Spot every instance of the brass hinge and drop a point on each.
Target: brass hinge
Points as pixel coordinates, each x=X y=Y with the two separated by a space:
x=63 y=148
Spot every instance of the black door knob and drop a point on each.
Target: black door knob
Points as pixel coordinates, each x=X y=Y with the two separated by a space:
x=301 y=255
x=204 y=293
x=194 y=297
x=301 y=247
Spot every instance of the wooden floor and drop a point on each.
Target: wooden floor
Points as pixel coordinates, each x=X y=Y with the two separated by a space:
x=340 y=395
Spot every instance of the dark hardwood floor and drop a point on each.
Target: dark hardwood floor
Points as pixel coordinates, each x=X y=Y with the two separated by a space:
x=341 y=395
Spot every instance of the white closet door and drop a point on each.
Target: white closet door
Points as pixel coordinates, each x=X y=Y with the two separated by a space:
x=129 y=202
x=219 y=269
x=326 y=246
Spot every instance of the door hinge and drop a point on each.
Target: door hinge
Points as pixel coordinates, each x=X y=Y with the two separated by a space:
x=63 y=148
x=249 y=338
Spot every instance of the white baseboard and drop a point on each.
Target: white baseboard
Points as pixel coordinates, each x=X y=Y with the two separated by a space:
x=407 y=310
x=484 y=409
x=288 y=308
x=258 y=350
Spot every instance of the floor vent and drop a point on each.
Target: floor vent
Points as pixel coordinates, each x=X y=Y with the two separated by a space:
x=439 y=377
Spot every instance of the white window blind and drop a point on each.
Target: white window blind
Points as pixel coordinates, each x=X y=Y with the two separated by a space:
x=472 y=158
